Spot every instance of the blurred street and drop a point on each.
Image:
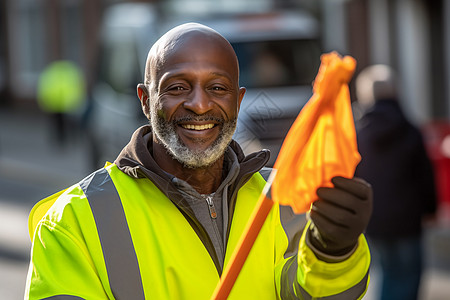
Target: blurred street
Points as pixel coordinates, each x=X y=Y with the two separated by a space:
x=33 y=166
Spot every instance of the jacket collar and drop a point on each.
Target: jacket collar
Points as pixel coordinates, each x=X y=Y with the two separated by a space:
x=137 y=161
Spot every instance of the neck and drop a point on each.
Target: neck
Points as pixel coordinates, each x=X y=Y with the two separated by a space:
x=204 y=180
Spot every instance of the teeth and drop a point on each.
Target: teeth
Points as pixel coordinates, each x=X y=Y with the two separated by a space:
x=198 y=127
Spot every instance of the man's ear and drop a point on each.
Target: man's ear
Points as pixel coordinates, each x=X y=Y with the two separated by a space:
x=143 y=95
x=242 y=91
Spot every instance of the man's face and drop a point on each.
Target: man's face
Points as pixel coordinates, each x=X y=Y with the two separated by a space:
x=195 y=103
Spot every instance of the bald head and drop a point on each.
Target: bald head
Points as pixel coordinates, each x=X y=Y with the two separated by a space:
x=191 y=39
x=376 y=82
x=191 y=96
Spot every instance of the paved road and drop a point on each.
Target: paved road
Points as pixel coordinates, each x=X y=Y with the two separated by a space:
x=32 y=167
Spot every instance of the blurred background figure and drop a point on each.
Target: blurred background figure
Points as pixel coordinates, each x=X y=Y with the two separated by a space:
x=61 y=90
x=395 y=162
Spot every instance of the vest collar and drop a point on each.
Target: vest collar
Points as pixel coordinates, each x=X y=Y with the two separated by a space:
x=137 y=161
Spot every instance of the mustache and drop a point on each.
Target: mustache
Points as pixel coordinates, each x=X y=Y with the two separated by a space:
x=198 y=118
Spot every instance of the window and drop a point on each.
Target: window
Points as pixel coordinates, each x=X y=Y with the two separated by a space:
x=278 y=62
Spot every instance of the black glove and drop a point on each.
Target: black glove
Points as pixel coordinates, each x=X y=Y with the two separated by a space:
x=340 y=215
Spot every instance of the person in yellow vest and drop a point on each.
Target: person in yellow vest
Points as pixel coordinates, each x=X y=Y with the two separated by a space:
x=162 y=221
x=61 y=90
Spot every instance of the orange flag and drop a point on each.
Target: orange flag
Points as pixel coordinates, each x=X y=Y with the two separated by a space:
x=321 y=143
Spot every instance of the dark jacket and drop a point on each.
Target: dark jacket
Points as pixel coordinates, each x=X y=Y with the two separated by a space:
x=395 y=162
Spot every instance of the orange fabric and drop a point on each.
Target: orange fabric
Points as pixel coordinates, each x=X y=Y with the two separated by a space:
x=321 y=143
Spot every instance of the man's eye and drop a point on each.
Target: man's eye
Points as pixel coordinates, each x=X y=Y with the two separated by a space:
x=176 y=89
x=218 y=88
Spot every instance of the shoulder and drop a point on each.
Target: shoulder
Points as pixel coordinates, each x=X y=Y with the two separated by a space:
x=59 y=212
x=66 y=205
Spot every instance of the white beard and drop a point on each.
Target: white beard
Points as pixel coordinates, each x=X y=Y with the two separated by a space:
x=166 y=134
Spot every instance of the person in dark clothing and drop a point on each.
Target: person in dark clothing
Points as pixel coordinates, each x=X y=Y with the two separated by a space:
x=395 y=162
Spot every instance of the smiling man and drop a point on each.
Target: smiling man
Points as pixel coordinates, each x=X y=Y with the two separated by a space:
x=192 y=100
x=162 y=221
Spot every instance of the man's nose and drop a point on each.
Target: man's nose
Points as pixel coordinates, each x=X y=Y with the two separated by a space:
x=198 y=101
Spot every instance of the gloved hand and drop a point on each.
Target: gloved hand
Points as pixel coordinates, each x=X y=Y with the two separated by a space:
x=340 y=215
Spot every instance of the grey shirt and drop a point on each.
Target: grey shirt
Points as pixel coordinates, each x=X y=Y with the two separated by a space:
x=211 y=210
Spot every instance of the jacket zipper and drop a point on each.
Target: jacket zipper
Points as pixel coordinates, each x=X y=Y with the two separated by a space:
x=201 y=232
x=213 y=215
x=212 y=208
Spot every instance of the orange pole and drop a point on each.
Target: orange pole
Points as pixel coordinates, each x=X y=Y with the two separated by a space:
x=243 y=248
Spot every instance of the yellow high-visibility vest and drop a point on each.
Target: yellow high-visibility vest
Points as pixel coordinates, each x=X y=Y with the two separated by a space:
x=61 y=87
x=112 y=236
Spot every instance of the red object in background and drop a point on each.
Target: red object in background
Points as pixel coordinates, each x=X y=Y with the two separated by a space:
x=437 y=141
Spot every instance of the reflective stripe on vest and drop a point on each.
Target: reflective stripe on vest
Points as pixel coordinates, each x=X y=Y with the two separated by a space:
x=63 y=297
x=115 y=238
x=289 y=284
